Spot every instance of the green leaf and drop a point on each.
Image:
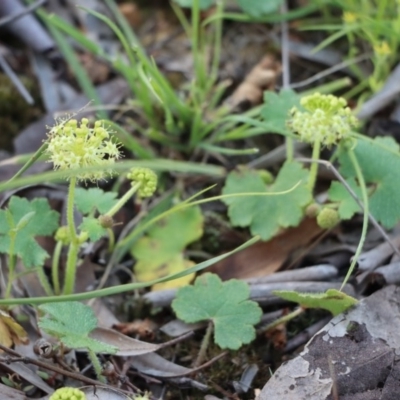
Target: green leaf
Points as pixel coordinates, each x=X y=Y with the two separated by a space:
x=347 y=205
x=226 y=304
x=203 y=4
x=92 y=226
x=332 y=300
x=380 y=165
x=257 y=8
x=88 y=200
x=276 y=110
x=32 y=219
x=159 y=251
x=71 y=322
x=266 y=215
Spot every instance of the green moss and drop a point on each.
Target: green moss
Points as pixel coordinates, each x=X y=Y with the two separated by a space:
x=15 y=112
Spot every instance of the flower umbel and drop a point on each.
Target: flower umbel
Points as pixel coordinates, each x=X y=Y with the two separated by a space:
x=68 y=393
x=325 y=119
x=146 y=178
x=73 y=145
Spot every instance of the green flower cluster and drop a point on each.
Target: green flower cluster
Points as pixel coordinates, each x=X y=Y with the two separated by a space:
x=72 y=145
x=68 y=393
x=147 y=180
x=325 y=118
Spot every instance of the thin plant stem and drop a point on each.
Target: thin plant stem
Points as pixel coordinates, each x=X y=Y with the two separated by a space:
x=314 y=166
x=44 y=281
x=123 y=200
x=111 y=240
x=364 y=194
x=12 y=259
x=188 y=203
x=112 y=290
x=70 y=209
x=282 y=320
x=286 y=71
x=197 y=52
x=72 y=258
x=70 y=270
x=217 y=45
x=40 y=151
x=204 y=345
x=55 y=265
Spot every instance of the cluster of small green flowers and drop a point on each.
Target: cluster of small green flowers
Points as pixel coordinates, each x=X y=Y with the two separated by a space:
x=72 y=145
x=147 y=179
x=325 y=118
x=68 y=393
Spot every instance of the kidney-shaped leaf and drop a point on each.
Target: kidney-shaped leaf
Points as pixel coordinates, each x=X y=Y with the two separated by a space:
x=266 y=215
x=227 y=304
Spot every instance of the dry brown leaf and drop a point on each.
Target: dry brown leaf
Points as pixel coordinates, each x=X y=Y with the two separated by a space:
x=265 y=258
x=11 y=332
x=144 y=328
x=131 y=12
x=277 y=336
x=262 y=77
x=97 y=70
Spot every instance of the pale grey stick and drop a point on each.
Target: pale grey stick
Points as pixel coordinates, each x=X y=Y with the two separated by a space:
x=315 y=273
x=390 y=272
x=374 y=258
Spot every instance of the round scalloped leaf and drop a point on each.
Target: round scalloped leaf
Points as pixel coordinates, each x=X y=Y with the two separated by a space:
x=226 y=304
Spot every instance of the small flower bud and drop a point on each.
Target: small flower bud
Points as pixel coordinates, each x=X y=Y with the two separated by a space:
x=63 y=235
x=328 y=218
x=147 y=179
x=106 y=221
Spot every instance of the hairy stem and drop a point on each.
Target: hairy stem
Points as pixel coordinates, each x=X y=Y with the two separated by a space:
x=96 y=365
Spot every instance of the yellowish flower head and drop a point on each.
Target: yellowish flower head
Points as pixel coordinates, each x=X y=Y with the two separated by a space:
x=325 y=118
x=68 y=393
x=73 y=145
x=349 y=17
x=382 y=48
